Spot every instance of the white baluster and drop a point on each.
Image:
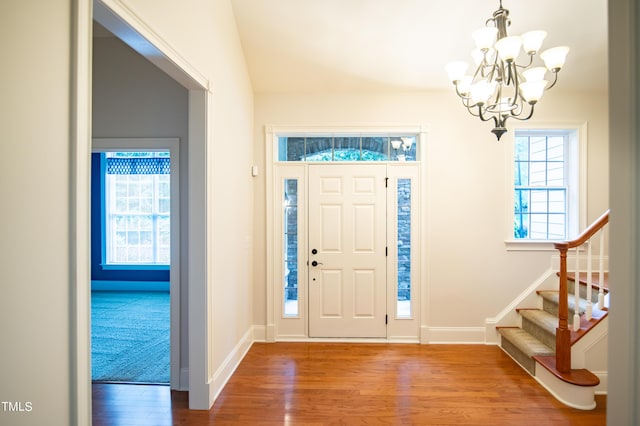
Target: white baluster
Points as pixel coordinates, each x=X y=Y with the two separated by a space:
x=601 y=271
x=589 y=309
x=576 y=293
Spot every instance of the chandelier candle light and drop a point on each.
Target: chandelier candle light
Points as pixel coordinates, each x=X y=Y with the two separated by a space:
x=500 y=88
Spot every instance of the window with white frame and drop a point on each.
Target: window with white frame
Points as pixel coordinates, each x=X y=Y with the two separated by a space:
x=546 y=176
x=137 y=208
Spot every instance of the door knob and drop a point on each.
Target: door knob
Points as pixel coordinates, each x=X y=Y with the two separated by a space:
x=315 y=263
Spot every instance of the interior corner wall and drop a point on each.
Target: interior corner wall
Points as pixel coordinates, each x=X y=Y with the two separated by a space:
x=35 y=374
x=132 y=98
x=464 y=212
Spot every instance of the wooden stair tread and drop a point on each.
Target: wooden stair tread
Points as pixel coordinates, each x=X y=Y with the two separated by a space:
x=578 y=377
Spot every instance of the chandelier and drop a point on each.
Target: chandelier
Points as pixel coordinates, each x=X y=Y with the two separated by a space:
x=500 y=88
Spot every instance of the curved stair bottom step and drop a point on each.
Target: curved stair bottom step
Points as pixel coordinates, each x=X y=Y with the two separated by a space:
x=575 y=396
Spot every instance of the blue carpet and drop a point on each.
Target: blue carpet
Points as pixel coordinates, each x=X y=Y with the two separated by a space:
x=130 y=336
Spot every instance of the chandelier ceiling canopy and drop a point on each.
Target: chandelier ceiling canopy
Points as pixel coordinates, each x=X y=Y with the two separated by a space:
x=501 y=88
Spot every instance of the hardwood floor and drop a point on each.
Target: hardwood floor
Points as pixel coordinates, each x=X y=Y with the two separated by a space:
x=355 y=384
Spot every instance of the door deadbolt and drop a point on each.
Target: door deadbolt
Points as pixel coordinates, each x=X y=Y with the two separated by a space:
x=314 y=251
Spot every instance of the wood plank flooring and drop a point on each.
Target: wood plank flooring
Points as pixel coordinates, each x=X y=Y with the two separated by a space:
x=315 y=384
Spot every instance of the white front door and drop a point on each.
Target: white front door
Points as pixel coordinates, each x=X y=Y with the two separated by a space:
x=347 y=250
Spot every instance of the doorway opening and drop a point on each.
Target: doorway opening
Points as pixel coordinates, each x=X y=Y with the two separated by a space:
x=134 y=196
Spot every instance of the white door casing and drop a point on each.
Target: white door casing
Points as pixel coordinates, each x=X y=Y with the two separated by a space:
x=347 y=228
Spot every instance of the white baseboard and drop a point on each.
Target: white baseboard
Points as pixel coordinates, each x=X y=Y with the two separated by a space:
x=403 y=339
x=259 y=333
x=452 y=335
x=603 y=387
x=270 y=333
x=184 y=379
x=229 y=365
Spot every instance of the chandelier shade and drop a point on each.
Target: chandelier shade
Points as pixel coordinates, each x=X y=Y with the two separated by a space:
x=501 y=87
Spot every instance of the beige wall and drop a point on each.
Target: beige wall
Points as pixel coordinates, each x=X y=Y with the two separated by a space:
x=205 y=34
x=466 y=205
x=35 y=310
x=34 y=218
x=35 y=177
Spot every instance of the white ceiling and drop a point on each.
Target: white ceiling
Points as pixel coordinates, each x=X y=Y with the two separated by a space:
x=378 y=45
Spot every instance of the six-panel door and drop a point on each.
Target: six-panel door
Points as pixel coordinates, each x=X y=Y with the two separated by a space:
x=347 y=244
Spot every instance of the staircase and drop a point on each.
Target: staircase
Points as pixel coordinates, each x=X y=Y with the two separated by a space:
x=543 y=342
x=536 y=336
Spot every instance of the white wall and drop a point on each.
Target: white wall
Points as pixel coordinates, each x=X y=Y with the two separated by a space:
x=466 y=206
x=132 y=98
x=35 y=39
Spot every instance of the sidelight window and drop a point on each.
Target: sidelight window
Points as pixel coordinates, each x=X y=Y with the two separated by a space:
x=404 y=247
x=290 y=254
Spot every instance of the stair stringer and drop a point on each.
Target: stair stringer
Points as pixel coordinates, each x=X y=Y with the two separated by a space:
x=527 y=299
x=591 y=352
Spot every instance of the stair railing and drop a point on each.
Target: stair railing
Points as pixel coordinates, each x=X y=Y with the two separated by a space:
x=563 y=333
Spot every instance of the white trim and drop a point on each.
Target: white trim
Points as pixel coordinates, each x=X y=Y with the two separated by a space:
x=188 y=76
x=603 y=386
x=342 y=130
x=529 y=245
x=259 y=333
x=580 y=397
x=123 y=21
x=402 y=328
x=135 y=144
x=425 y=231
x=80 y=213
x=229 y=365
x=274 y=169
x=199 y=234
x=290 y=325
x=184 y=379
x=453 y=335
x=271 y=240
x=528 y=298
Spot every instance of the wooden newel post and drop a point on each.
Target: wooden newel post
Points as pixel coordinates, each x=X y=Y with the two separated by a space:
x=563 y=334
